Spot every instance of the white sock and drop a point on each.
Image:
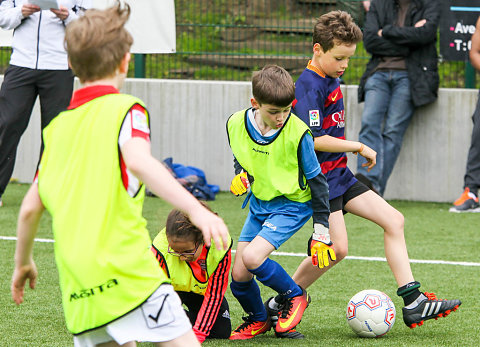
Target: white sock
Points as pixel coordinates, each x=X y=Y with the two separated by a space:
x=274 y=305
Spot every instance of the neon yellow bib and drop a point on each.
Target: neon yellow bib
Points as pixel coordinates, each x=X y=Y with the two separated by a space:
x=102 y=246
x=183 y=277
x=274 y=166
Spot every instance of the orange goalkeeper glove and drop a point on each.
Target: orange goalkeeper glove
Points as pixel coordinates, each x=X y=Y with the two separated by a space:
x=240 y=184
x=320 y=247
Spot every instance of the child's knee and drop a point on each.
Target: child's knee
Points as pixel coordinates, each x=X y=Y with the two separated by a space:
x=240 y=274
x=341 y=251
x=251 y=259
x=396 y=222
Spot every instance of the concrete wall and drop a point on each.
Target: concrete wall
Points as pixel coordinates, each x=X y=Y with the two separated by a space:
x=188 y=124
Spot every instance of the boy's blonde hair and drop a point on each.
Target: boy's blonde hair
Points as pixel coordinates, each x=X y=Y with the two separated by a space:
x=273 y=85
x=97 y=42
x=336 y=27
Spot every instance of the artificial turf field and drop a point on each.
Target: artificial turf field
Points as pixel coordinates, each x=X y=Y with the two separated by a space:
x=449 y=243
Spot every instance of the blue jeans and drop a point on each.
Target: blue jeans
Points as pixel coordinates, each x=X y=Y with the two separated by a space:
x=386 y=115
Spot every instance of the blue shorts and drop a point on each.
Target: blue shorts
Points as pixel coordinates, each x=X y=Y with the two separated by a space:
x=275 y=220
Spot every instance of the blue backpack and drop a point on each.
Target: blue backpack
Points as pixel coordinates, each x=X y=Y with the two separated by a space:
x=193 y=179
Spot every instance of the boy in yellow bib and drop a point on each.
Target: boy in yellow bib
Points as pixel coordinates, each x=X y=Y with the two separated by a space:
x=97 y=154
x=199 y=275
x=275 y=150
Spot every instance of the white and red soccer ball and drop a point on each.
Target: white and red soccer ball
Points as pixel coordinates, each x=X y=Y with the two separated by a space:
x=370 y=313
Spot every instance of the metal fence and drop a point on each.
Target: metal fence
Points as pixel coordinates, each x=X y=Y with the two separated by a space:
x=228 y=39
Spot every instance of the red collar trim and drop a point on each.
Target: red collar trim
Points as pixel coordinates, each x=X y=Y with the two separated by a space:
x=315 y=69
x=86 y=94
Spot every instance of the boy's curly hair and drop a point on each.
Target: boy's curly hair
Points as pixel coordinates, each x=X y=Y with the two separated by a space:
x=336 y=27
x=97 y=42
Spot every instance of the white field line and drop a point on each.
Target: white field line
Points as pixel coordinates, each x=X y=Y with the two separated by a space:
x=287 y=254
x=14 y=238
x=352 y=257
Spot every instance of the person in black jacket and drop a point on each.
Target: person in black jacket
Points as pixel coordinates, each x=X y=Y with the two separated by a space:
x=401 y=75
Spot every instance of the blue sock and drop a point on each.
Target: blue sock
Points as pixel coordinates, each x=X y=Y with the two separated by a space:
x=248 y=295
x=271 y=274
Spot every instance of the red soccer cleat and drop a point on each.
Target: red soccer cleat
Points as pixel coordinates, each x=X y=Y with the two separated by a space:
x=249 y=329
x=292 y=312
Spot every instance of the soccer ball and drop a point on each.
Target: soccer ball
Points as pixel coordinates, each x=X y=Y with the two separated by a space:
x=370 y=313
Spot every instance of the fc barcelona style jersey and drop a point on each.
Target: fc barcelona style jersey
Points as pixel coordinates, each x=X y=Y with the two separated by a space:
x=319 y=103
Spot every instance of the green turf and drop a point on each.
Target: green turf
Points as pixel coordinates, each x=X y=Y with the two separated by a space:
x=432 y=233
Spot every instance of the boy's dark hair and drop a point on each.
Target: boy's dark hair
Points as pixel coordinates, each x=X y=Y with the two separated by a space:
x=273 y=85
x=97 y=42
x=336 y=27
x=179 y=226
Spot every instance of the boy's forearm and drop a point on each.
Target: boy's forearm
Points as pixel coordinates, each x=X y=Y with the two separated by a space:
x=26 y=232
x=155 y=176
x=327 y=143
x=214 y=295
x=236 y=166
x=29 y=217
x=320 y=203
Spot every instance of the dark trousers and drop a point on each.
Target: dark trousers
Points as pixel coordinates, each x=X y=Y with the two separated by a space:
x=222 y=327
x=472 y=174
x=18 y=93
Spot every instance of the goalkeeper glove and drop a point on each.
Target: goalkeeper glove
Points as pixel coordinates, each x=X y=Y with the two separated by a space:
x=320 y=247
x=240 y=184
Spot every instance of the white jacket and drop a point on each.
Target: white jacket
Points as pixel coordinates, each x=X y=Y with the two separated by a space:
x=38 y=39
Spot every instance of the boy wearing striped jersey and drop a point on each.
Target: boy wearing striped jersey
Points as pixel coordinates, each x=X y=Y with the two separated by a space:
x=319 y=103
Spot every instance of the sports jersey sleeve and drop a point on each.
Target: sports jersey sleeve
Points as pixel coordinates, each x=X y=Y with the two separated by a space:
x=320 y=199
x=310 y=109
x=217 y=286
x=135 y=124
x=309 y=162
x=236 y=166
x=316 y=181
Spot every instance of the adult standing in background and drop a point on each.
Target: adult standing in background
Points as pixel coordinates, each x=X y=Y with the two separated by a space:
x=401 y=75
x=38 y=67
x=468 y=201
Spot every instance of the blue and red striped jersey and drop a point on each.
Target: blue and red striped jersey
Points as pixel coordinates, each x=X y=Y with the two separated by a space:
x=319 y=103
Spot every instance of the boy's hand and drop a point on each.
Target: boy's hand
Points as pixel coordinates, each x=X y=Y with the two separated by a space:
x=368 y=154
x=240 y=184
x=212 y=227
x=19 y=278
x=320 y=247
